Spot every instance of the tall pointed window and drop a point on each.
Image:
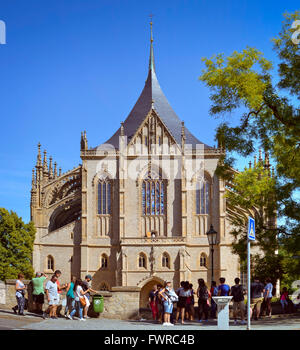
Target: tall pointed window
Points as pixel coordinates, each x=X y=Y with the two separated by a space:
x=203 y=197
x=104 y=197
x=142 y=261
x=153 y=195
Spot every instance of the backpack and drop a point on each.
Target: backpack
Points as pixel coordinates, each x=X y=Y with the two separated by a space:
x=237 y=293
x=203 y=293
x=173 y=296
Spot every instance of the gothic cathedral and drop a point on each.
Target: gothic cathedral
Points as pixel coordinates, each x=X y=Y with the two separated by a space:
x=137 y=210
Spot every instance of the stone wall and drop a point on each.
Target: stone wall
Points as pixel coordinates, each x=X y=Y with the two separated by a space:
x=119 y=303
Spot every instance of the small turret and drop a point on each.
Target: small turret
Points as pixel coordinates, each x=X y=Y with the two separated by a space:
x=50 y=169
x=83 y=141
x=45 y=166
x=55 y=170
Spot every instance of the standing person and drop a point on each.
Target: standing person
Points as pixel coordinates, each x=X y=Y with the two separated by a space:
x=153 y=302
x=183 y=294
x=256 y=298
x=20 y=295
x=160 y=304
x=86 y=286
x=268 y=296
x=190 y=302
x=167 y=294
x=203 y=296
x=237 y=292
x=52 y=295
x=57 y=274
x=79 y=300
x=70 y=296
x=213 y=292
x=284 y=297
x=223 y=289
x=38 y=292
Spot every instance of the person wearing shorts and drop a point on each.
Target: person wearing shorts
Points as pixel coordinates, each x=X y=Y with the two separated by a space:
x=237 y=292
x=167 y=303
x=256 y=300
x=38 y=291
x=52 y=296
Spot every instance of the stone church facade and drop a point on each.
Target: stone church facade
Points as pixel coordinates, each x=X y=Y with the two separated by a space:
x=136 y=211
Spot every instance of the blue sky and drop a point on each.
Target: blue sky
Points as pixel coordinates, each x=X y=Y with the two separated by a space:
x=77 y=65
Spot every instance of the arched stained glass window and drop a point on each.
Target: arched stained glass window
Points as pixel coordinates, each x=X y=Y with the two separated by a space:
x=153 y=195
x=203 y=197
x=104 y=197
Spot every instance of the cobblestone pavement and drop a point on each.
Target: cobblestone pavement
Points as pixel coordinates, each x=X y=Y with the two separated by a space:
x=31 y=322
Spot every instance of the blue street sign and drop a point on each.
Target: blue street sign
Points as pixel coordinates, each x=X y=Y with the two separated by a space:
x=251 y=229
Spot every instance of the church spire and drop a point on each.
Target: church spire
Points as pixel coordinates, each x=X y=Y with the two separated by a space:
x=151 y=59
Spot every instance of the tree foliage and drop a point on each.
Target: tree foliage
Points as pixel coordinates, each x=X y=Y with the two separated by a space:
x=244 y=81
x=16 y=245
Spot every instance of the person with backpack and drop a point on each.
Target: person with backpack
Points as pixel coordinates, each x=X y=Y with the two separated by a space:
x=237 y=292
x=214 y=292
x=168 y=296
x=203 y=295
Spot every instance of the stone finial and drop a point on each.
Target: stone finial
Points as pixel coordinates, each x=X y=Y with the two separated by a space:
x=250 y=165
x=59 y=174
x=82 y=142
x=39 y=157
x=55 y=170
x=85 y=140
x=255 y=160
x=45 y=165
x=122 y=128
x=50 y=168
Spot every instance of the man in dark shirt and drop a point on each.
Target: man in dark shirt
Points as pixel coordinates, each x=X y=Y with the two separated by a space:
x=86 y=285
x=256 y=298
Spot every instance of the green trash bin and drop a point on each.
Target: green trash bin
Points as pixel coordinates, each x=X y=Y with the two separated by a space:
x=98 y=303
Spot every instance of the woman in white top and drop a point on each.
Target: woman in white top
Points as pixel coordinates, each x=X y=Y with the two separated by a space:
x=20 y=295
x=79 y=298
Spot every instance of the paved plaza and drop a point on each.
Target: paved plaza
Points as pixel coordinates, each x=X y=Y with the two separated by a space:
x=8 y=320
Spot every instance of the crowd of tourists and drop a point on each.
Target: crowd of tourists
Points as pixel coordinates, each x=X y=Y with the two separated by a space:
x=77 y=295
x=163 y=298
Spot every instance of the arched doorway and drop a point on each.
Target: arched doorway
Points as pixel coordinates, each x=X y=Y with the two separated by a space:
x=146 y=288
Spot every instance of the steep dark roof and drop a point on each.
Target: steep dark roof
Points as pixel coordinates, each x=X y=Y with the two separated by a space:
x=153 y=97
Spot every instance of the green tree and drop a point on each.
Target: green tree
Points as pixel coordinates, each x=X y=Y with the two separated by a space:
x=16 y=245
x=243 y=83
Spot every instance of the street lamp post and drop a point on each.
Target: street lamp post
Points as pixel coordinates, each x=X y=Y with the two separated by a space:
x=212 y=240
